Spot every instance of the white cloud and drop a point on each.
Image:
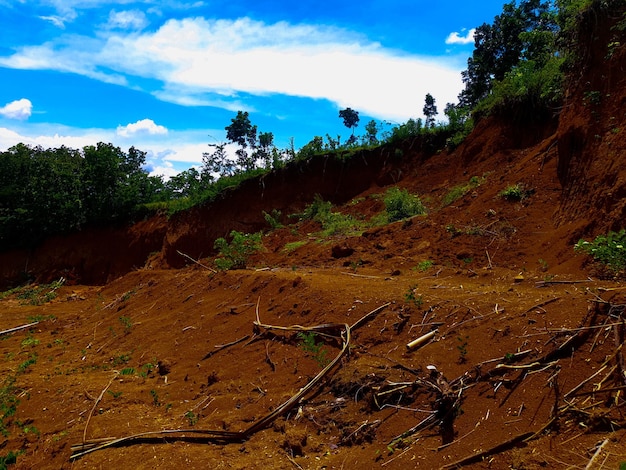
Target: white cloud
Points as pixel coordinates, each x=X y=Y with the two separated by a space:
x=55 y=20
x=144 y=126
x=129 y=19
x=20 y=109
x=224 y=57
x=456 y=38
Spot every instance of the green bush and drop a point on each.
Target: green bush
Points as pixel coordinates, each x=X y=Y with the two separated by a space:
x=234 y=255
x=514 y=192
x=400 y=204
x=610 y=250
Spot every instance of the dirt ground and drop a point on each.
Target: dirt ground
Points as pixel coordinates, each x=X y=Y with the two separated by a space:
x=301 y=360
x=523 y=368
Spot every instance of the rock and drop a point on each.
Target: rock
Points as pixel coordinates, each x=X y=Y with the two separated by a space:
x=342 y=251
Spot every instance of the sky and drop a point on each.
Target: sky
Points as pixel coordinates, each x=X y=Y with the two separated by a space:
x=167 y=76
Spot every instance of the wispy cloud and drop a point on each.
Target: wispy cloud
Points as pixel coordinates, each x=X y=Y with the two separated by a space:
x=19 y=109
x=224 y=57
x=456 y=38
x=144 y=126
x=129 y=19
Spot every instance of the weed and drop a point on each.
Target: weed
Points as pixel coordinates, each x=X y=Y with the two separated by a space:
x=458 y=192
x=424 y=265
x=410 y=297
x=36 y=294
x=115 y=395
x=462 y=348
x=508 y=358
x=29 y=341
x=40 y=318
x=121 y=359
x=400 y=204
x=155 y=397
x=514 y=193
x=192 y=418
x=27 y=363
x=8 y=404
x=609 y=250
x=273 y=218
x=126 y=323
x=543 y=263
x=315 y=349
x=234 y=255
x=127 y=371
x=293 y=246
x=146 y=369
x=9 y=459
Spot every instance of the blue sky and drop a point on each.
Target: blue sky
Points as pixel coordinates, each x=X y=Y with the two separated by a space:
x=168 y=75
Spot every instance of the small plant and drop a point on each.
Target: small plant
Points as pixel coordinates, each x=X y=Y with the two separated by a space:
x=273 y=218
x=410 y=296
x=155 y=397
x=544 y=264
x=192 y=418
x=514 y=192
x=36 y=294
x=29 y=341
x=234 y=255
x=309 y=345
x=400 y=204
x=509 y=357
x=126 y=323
x=115 y=395
x=127 y=371
x=459 y=191
x=27 y=363
x=121 y=359
x=462 y=347
x=609 y=250
x=293 y=246
x=8 y=404
x=424 y=265
x=11 y=459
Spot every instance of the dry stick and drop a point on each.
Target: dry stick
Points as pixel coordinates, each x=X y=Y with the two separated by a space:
x=602 y=367
x=96 y=404
x=541 y=304
x=268 y=359
x=494 y=450
x=195 y=261
x=360 y=275
x=219 y=347
x=595 y=455
x=17 y=328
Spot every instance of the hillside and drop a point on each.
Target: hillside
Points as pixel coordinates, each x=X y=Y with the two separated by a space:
x=527 y=342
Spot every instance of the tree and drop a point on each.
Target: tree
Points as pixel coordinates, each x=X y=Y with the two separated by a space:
x=526 y=32
x=217 y=162
x=372 y=129
x=242 y=132
x=350 y=118
x=430 y=111
x=265 y=148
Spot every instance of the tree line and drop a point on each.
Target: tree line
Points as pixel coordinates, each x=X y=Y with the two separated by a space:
x=518 y=63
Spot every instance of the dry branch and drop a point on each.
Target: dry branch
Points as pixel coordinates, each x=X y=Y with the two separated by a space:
x=195 y=261
x=18 y=328
x=509 y=443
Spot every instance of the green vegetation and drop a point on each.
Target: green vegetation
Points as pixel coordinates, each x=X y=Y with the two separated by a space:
x=126 y=323
x=514 y=192
x=333 y=223
x=292 y=246
x=234 y=255
x=424 y=265
x=273 y=218
x=192 y=418
x=316 y=350
x=33 y=294
x=458 y=192
x=609 y=250
x=8 y=404
x=400 y=204
x=410 y=296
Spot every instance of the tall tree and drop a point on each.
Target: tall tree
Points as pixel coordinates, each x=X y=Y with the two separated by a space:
x=243 y=133
x=350 y=118
x=520 y=32
x=430 y=111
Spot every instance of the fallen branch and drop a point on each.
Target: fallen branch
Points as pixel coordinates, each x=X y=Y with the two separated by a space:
x=18 y=328
x=195 y=261
x=96 y=404
x=596 y=454
x=494 y=450
x=219 y=347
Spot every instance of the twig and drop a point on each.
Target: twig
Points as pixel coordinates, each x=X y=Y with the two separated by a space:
x=547 y=283
x=195 y=261
x=219 y=347
x=541 y=304
x=489 y=266
x=360 y=275
x=421 y=340
x=366 y=317
x=596 y=454
x=93 y=408
x=17 y=328
x=268 y=359
x=494 y=450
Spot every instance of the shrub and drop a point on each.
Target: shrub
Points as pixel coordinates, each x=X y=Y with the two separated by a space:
x=234 y=255
x=610 y=250
x=400 y=204
x=514 y=192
